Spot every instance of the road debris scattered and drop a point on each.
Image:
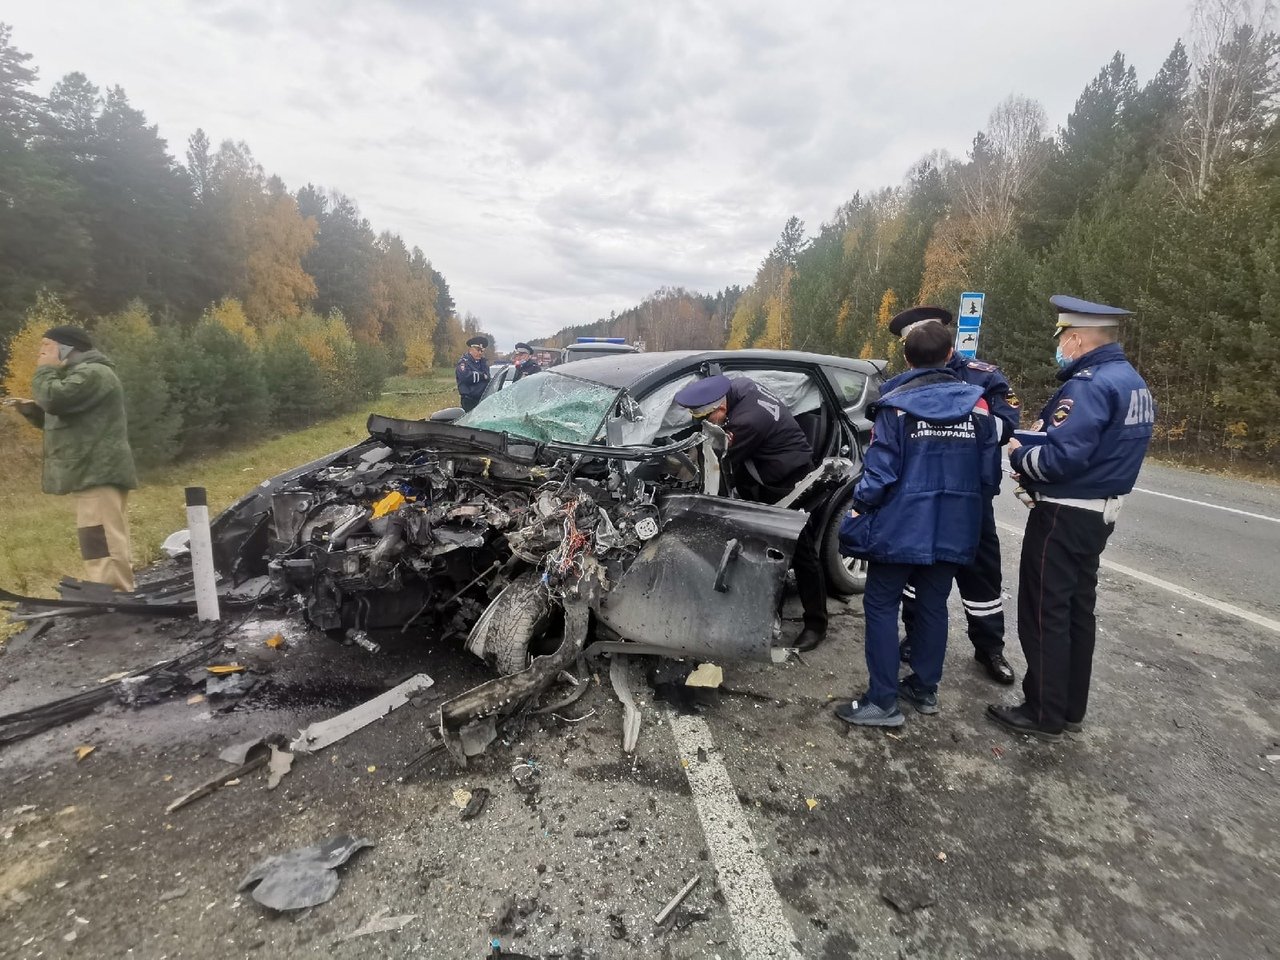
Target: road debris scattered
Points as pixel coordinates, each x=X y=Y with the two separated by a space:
x=327 y=732
x=281 y=762
x=83 y=751
x=304 y=877
x=661 y=916
x=221 y=780
x=379 y=923
x=475 y=804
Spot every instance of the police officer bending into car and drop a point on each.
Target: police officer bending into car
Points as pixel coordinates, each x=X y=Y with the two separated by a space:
x=768 y=453
x=1082 y=458
x=980 y=581
x=473 y=373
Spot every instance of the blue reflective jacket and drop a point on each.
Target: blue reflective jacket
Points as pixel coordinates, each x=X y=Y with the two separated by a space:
x=1096 y=430
x=934 y=459
x=472 y=376
x=1001 y=400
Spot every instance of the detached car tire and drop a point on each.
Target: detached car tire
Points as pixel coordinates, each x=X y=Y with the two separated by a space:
x=520 y=616
x=845 y=575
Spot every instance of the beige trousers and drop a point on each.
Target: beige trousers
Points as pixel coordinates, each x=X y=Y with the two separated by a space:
x=103 y=527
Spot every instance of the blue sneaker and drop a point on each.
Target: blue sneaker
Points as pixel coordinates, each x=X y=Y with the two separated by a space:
x=909 y=690
x=866 y=714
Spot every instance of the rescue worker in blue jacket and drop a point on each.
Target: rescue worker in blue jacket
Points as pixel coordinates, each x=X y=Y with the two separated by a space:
x=934 y=459
x=523 y=361
x=768 y=454
x=473 y=373
x=980 y=581
x=1078 y=464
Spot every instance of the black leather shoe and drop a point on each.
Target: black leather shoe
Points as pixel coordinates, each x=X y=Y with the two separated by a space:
x=997 y=667
x=1015 y=721
x=809 y=639
x=1074 y=726
x=904 y=651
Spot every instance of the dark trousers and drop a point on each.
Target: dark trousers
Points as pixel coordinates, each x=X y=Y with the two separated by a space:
x=979 y=585
x=885 y=582
x=468 y=403
x=1057 y=588
x=811 y=575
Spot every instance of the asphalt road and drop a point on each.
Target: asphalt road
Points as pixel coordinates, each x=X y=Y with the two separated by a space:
x=1151 y=835
x=1211 y=534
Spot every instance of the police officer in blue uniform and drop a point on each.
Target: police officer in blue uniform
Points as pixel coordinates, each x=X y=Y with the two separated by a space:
x=1078 y=464
x=768 y=454
x=934 y=459
x=523 y=361
x=472 y=373
x=980 y=581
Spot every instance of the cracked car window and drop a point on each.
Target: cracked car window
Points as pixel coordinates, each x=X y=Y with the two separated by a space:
x=551 y=407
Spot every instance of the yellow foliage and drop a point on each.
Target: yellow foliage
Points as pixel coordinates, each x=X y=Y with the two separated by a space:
x=419 y=353
x=277 y=284
x=842 y=318
x=48 y=312
x=880 y=344
x=324 y=338
x=946 y=260
x=743 y=315
x=229 y=314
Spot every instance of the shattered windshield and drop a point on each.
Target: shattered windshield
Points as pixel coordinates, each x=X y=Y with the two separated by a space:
x=545 y=407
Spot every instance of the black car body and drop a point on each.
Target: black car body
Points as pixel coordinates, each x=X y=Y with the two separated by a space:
x=481 y=526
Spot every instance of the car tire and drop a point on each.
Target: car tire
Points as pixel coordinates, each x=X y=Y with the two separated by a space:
x=845 y=575
x=520 y=616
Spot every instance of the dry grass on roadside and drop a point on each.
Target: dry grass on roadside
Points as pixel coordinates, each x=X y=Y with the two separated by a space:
x=37 y=532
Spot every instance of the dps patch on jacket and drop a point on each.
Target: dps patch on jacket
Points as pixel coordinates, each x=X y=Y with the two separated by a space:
x=1061 y=411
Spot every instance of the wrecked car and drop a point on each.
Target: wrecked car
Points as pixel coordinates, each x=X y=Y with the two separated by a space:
x=481 y=527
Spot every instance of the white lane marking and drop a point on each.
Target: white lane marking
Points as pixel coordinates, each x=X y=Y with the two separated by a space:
x=1202 y=503
x=764 y=933
x=1220 y=605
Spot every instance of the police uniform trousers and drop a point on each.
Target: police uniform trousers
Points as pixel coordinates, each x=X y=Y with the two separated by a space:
x=469 y=403
x=880 y=601
x=811 y=575
x=979 y=584
x=1057 y=589
x=102 y=526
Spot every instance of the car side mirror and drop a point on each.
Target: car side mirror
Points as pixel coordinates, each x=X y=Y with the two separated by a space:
x=447 y=415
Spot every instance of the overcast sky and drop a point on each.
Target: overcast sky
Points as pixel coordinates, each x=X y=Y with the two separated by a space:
x=560 y=160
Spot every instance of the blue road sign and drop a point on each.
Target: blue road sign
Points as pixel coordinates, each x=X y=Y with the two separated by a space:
x=968 y=324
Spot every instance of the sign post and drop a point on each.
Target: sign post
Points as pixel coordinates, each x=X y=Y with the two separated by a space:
x=968 y=322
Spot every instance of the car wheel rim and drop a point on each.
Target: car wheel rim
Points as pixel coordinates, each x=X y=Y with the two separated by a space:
x=857 y=568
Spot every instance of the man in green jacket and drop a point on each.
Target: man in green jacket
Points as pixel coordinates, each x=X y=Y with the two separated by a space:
x=79 y=404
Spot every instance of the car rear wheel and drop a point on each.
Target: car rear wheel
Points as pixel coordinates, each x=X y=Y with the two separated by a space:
x=845 y=575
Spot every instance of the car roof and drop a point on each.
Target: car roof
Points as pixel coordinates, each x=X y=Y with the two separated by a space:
x=627 y=369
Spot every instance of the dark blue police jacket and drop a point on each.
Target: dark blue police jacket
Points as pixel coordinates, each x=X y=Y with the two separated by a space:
x=1096 y=430
x=1001 y=400
x=762 y=430
x=528 y=368
x=933 y=460
x=473 y=377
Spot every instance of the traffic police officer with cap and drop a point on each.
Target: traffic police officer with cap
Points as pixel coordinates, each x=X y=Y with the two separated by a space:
x=1078 y=464
x=524 y=363
x=980 y=581
x=473 y=372
x=769 y=447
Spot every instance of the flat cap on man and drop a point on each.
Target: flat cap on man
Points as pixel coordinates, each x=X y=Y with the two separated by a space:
x=75 y=337
x=1074 y=312
x=523 y=348
x=704 y=393
x=478 y=342
x=901 y=325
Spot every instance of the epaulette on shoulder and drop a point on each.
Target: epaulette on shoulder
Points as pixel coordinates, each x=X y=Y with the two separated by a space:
x=981 y=365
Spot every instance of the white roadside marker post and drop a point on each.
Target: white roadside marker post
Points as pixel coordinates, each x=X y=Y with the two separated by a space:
x=203 y=574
